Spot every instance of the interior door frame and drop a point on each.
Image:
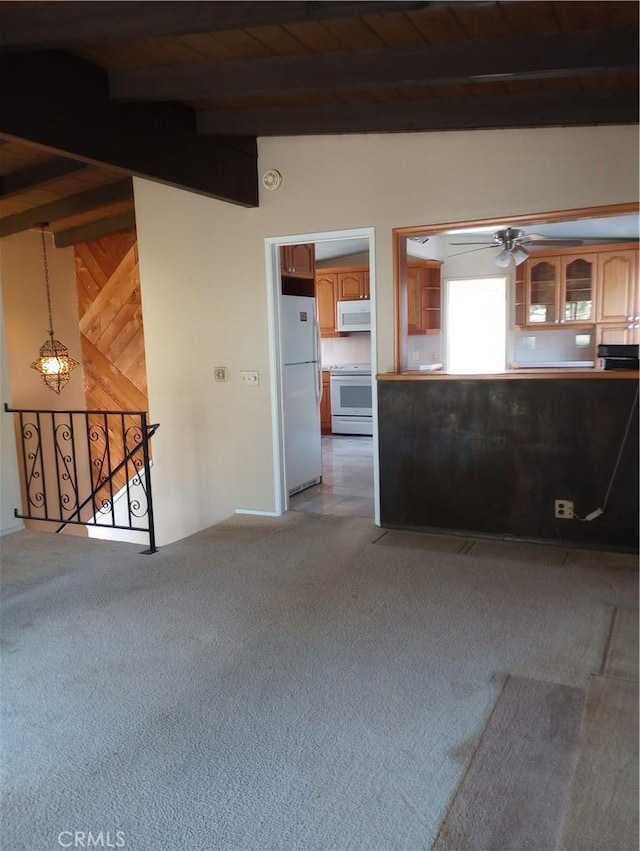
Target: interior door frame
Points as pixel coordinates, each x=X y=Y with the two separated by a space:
x=272 y=265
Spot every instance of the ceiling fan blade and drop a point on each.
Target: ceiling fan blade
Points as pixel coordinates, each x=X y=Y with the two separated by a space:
x=527 y=236
x=532 y=239
x=471 y=250
x=475 y=243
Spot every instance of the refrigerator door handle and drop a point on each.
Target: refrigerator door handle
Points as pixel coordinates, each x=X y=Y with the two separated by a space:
x=318 y=364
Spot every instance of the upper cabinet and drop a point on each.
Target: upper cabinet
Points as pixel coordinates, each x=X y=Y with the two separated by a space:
x=298 y=261
x=618 y=297
x=560 y=290
x=591 y=286
x=617 y=286
x=353 y=284
x=338 y=284
x=326 y=299
x=577 y=275
x=423 y=297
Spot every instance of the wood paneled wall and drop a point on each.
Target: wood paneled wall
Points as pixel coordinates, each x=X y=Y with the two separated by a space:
x=110 y=314
x=111 y=331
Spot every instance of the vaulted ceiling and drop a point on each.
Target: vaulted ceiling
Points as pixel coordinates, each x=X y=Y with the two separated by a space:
x=93 y=93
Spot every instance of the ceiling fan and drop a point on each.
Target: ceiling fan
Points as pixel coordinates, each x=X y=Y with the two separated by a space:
x=513 y=243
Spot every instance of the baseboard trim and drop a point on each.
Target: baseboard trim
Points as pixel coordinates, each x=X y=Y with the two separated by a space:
x=10 y=530
x=258 y=513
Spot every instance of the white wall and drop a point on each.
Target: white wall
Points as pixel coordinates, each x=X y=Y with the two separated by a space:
x=26 y=325
x=27 y=320
x=9 y=486
x=204 y=286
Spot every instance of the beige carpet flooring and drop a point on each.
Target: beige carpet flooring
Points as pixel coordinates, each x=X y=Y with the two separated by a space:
x=292 y=684
x=518 y=551
x=601 y=812
x=513 y=794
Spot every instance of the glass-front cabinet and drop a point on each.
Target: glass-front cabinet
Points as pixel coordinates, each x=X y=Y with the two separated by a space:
x=578 y=275
x=559 y=290
x=543 y=281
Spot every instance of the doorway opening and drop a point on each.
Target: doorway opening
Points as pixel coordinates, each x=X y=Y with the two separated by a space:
x=344 y=456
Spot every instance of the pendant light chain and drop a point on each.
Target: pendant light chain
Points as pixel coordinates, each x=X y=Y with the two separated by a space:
x=46 y=279
x=54 y=364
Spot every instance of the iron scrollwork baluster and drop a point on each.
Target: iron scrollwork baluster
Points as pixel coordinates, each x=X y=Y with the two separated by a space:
x=67 y=474
x=112 y=451
x=32 y=454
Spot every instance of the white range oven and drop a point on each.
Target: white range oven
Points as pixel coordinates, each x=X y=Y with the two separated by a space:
x=351 y=398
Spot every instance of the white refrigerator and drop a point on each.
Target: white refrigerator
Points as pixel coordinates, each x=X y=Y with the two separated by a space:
x=302 y=391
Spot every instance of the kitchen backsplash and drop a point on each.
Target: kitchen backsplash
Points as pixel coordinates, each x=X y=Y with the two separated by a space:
x=553 y=346
x=528 y=347
x=423 y=349
x=356 y=348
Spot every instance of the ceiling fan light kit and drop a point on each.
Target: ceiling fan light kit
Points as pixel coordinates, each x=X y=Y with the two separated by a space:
x=503 y=258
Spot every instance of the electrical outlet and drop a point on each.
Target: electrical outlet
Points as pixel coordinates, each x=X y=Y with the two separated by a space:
x=564 y=509
x=220 y=373
x=250 y=377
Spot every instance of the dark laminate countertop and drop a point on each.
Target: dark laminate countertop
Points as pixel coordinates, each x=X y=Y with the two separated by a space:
x=540 y=374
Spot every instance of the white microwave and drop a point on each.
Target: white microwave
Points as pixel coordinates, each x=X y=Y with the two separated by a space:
x=354 y=315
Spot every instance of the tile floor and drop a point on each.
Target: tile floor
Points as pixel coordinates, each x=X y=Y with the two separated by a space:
x=347 y=479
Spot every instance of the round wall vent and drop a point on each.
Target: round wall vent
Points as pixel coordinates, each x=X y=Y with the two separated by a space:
x=271 y=179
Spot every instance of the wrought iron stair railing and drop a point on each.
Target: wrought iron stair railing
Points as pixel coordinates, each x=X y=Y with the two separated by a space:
x=64 y=455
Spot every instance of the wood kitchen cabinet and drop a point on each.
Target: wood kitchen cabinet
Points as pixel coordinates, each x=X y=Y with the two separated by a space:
x=325 y=403
x=423 y=297
x=298 y=261
x=338 y=284
x=618 y=333
x=618 y=297
x=560 y=289
x=326 y=300
x=353 y=284
x=520 y=296
x=597 y=286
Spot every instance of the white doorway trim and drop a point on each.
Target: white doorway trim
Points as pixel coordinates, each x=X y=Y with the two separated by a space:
x=272 y=263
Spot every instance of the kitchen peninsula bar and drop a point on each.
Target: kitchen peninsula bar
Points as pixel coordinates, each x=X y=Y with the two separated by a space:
x=490 y=454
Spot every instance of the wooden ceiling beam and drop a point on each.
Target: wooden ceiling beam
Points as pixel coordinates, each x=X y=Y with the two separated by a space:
x=472 y=113
x=39 y=175
x=93 y=199
x=66 y=24
x=94 y=230
x=525 y=57
x=61 y=102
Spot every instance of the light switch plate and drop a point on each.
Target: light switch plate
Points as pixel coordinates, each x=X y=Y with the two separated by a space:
x=250 y=377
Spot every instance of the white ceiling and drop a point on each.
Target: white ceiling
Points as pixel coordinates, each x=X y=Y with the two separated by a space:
x=608 y=228
x=340 y=248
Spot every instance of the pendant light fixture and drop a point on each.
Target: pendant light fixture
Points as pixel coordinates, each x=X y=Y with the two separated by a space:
x=54 y=364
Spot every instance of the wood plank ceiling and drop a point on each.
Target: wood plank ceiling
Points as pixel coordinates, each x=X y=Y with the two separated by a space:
x=95 y=92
